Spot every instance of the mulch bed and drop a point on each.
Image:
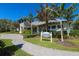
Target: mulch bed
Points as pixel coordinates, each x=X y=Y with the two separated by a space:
x=67 y=44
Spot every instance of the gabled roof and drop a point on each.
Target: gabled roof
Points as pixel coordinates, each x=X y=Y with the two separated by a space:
x=36 y=23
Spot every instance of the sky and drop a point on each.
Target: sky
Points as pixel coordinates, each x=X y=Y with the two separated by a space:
x=15 y=11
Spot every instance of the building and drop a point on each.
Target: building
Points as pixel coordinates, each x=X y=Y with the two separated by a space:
x=25 y=25
x=38 y=26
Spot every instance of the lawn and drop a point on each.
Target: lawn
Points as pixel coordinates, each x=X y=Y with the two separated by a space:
x=75 y=41
x=10 y=32
x=55 y=45
x=17 y=51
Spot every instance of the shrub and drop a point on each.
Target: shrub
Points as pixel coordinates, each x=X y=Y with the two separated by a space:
x=2 y=44
x=30 y=35
x=58 y=34
x=26 y=31
x=74 y=33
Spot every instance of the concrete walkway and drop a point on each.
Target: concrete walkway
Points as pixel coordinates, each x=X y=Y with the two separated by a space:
x=35 y=49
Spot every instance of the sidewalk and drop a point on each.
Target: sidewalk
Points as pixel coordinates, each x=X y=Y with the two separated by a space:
x=37 y=50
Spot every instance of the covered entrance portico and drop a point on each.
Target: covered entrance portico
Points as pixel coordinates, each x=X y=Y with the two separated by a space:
x=39 y=26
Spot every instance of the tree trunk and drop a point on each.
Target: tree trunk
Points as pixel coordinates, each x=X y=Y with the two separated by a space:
x=46 y=26
x=46 y=16
x=31 y=27
x=61 y=31
x=68 y=28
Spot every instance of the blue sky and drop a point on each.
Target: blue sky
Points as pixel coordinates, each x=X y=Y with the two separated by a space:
x=14 y=11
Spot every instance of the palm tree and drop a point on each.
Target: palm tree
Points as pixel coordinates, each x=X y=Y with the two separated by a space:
x=65 y=12
x=69 y=15
x=44 y=14
x=30 y=19
x=25 y=18
x=58 y=10
x=76 y=24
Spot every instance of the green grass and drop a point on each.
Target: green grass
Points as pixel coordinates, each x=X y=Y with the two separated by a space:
x=19 y=52
x=9 y=32
x=76 y=41
x=7 y=42
x=48 y=44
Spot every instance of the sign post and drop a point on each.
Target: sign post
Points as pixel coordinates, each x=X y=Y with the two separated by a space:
x=46 y=34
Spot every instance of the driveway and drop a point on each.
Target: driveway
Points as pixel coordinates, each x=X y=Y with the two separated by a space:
x=36 y=50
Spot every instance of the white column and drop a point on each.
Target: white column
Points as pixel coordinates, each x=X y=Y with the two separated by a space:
x=56 y=27
x=20 y=29
x=61 y=31
x=51 y=37
x=68 y=31
x=31 y=29
x=37 y=29
x=41 y=36
x=50 y=27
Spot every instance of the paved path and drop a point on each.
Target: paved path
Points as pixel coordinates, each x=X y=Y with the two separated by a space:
x=35 y=49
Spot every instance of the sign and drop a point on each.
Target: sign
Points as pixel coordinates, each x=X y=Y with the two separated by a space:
x=46 y=34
